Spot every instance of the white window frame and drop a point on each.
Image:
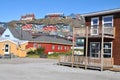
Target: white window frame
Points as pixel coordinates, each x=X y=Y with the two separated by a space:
x=59 y=47
x=109 y=48
x=65 y=48
x=93 y=19
x=108 y=21
x=90 y=50
x=103 y=48
x=53 y=47
x=92 y=28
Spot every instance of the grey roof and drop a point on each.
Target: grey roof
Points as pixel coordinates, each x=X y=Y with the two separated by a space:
x=1 y=30
x=102 y=12
x=28 y=36
x=20 y=34
x=52 y=39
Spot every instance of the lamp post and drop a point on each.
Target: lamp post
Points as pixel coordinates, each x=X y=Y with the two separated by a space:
x=20 y=27
x=73 y=44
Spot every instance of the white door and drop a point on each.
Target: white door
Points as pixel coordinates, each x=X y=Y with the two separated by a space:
x=6 y=50
x=95 y=49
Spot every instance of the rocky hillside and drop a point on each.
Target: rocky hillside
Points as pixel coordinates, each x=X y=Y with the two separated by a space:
x=47 y=21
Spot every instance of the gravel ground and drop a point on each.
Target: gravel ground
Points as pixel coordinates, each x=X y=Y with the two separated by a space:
x=46 y=69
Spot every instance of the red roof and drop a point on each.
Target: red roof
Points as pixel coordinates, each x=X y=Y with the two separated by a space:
x=27 y=27
x=50 y=28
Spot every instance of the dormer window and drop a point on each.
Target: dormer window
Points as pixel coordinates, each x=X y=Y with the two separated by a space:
x=7 y=35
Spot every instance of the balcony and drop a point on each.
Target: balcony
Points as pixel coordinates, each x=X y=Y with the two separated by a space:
x=108 y=32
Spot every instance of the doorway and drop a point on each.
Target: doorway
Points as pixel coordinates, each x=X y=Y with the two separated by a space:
x=6 y=50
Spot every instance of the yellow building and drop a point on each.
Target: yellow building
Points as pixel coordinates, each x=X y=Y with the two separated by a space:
x=13 y=47
x=13 y=42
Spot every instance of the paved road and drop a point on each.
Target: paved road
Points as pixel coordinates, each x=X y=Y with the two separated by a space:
x=46 y=69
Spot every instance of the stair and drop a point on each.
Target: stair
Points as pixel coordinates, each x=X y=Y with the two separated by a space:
x=7 y=56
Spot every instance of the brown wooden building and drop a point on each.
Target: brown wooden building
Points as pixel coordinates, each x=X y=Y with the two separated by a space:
x=101 y=35
x=106 y=23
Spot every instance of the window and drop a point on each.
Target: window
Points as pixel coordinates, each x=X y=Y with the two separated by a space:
x=65 y=47
x=108 y=21
x=53 y=47
x=94 y=26
x=95 y=22
x=59 y=47
x=107 y=49
x=34 y=45
x=95 y=49
x=80 y=42
x=39 y=45
x=7 y=35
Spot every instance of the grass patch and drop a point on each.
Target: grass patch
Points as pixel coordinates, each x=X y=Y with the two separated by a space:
x=57 y=54
x=53 y=57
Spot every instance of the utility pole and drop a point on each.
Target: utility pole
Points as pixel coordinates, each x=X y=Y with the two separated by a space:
x=73 y=44
x=102 y=45
x=86 y=58
x=20 y=27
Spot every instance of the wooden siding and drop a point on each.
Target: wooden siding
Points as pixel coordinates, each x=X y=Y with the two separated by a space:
x=116 y=40
x=13 y=49
x=48 y=47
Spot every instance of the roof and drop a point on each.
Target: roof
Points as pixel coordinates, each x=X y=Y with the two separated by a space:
x=14 y=41
x=44 y=38
x=52 y=39
x=102 y=12
x=1 y=30
x=55 y=14
x=20 y=34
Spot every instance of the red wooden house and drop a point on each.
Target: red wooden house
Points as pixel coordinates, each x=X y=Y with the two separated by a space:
x=50 y=43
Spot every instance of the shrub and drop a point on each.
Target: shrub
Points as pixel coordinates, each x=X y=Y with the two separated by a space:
x=31 y=52
x=40 y=52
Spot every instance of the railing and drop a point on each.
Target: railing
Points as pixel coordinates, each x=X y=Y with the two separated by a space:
x=108 y=31
x=81 y=61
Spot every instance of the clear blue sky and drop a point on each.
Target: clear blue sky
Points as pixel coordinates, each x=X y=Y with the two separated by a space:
x=13 y=9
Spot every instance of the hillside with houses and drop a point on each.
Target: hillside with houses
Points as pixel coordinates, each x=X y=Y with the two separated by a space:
x=55 y=24
x=54 y=33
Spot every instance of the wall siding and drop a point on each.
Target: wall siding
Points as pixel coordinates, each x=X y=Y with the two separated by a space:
x=116 y=41
x=48 y=47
